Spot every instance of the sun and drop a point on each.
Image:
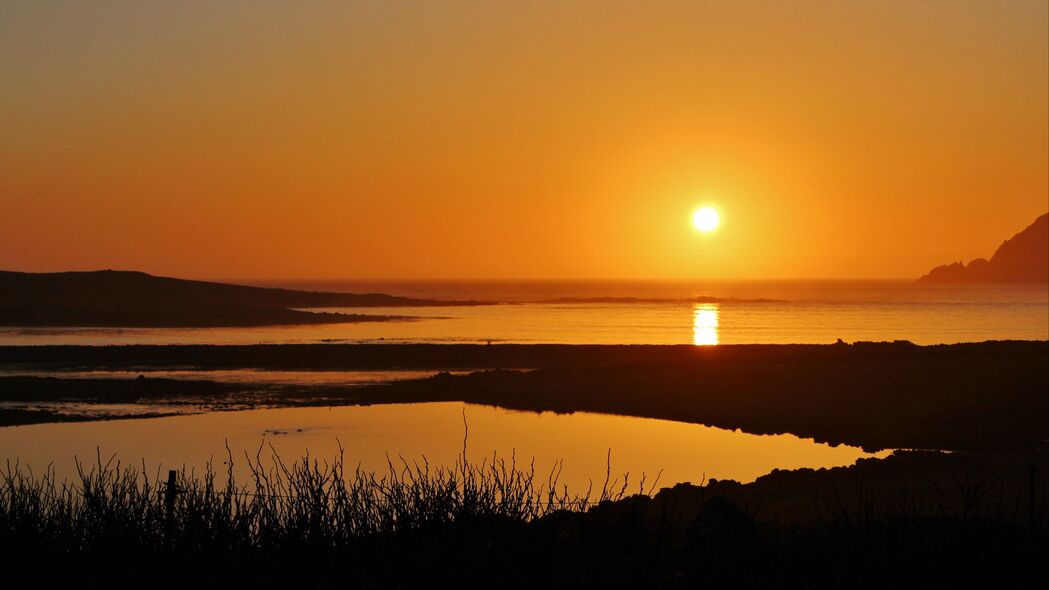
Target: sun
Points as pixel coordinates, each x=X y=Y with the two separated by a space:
x=706 y=219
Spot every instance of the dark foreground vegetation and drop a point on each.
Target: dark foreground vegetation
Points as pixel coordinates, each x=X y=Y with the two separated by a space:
x=977 y=517
x=948 y=523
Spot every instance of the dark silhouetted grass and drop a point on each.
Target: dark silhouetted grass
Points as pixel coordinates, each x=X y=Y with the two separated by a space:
x=493 y=523
x=309 y=501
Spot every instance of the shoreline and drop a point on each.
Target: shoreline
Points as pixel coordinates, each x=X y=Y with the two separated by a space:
x=986 y=401
x=427 y=356
x=979 y=397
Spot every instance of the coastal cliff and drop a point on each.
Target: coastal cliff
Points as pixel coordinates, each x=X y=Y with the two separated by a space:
x=1024 y=258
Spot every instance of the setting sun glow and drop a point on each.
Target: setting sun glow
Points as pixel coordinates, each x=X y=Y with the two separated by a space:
x=705 y=325
x=706 y=219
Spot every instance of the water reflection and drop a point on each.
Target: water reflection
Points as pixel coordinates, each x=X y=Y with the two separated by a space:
x=371 y=435
x=705 y=324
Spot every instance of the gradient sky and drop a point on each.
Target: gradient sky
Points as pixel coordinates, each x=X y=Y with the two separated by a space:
x=333 y=139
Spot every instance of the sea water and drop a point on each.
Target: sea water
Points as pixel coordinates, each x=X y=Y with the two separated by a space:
x=635 y=312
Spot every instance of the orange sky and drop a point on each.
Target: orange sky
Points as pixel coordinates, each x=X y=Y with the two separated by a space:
x=494 y=140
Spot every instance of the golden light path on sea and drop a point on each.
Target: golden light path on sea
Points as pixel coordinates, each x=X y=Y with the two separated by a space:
x=705 y=324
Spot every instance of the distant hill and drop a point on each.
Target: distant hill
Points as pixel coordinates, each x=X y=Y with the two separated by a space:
x=1024 y=258
x=136 y=299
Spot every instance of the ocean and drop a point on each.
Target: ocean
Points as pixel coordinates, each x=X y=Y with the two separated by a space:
x=635 y=312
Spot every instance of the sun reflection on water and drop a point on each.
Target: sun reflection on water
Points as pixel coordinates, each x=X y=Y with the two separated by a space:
x=705 y=324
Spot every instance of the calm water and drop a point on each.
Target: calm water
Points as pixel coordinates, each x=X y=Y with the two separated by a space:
x=536 y=312
x=662 y=313
x=371 y=434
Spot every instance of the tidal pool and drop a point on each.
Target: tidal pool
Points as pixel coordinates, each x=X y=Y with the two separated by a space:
x=584 y=445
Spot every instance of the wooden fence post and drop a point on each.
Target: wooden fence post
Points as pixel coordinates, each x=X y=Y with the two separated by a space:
x=169 y=504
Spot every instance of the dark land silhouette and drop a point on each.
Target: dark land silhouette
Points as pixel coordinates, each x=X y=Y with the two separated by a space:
x=438 y=357
x=35 y=398
x=962 y=397
x=976 y=516
x=1024 y=258
x=914 y=520
x=135 y=299
x=977 y=397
